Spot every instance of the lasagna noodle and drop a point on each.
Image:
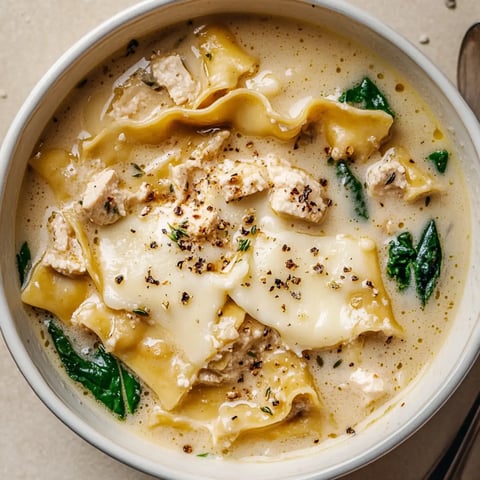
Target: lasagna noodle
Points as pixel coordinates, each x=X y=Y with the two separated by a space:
x=224 y=63
x=315 y=291
x=55 y=292
x=264 y=400
x=250 y=112
x=147 y=348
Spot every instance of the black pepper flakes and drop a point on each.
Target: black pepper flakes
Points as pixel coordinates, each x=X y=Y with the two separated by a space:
x=187 y=449
x=318 y=268
x=290 y=264
x=150 y=279
x=185 y=298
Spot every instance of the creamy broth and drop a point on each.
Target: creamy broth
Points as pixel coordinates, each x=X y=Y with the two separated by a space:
x=294 y=63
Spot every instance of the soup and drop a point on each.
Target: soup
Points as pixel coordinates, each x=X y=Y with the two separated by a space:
x=242 y=236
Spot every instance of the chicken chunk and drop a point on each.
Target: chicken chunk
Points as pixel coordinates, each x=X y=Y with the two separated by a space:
x=237 y=357
x=386 y=175
x=238 y=179
x=103 y=201
x=296 y=193
x=398 y=173
x=210 y=148
x=370 y=385
x=170 y=72
x=64 y=254
x=188 y=175
x=200 y=222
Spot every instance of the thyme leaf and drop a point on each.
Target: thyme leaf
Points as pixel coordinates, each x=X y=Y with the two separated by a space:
x=178 y=232
x=243 y=244
x=266 y=410
x=139 y=172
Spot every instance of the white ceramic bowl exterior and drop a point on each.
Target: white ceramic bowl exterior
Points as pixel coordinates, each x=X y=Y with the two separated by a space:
x=402 y=417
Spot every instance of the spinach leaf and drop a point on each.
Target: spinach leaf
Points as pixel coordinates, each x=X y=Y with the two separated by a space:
x=401 y=255
x=366 y=95
x=101 y=373
x=24 y=262
x=350 y=182
x=131 y=388
x=428 y=262
x=440 y=159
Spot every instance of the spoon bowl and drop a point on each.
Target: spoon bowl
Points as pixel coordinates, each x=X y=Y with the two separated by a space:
x=468 y=72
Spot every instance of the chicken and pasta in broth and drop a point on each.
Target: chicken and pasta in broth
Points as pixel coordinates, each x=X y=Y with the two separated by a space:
x=243 y=235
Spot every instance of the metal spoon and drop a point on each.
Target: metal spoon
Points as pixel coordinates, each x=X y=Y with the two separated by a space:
x=451 y=464
x=468 y=70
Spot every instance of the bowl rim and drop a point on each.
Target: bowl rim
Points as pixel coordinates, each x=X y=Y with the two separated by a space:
x=14 y=134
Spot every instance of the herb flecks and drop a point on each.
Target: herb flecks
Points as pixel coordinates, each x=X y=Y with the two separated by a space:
x=178 y=232
x=24 y=262
x=266 y=410
x=132 y=47
x=138 y=170
x=243 y=244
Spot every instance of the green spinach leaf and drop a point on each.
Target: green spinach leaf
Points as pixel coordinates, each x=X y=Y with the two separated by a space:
x=401 y=254
x=366 y=95
x=101 y=373
x=24 y=262
x=428 y=262
x=425 y=259
x=350 y=182
x=440 y=159
x=132 y=389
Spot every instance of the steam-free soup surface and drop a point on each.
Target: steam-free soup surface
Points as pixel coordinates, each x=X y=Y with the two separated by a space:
x=213 y=209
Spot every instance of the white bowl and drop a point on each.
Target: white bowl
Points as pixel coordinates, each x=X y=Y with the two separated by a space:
x=395 y=421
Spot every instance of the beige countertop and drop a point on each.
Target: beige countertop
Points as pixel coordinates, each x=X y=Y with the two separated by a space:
x=34 y=444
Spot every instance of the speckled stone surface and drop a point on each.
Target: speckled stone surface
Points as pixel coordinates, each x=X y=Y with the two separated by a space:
x=34 y=444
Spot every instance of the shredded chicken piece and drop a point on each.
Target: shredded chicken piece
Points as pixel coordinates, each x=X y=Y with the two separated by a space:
x=103 y=201
x=64 y=253
x=386 y=175
x=238 y=179
x=245 y=354
x=200 y=222
x=296 y=193
x=188 y=175
x=170 y=72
